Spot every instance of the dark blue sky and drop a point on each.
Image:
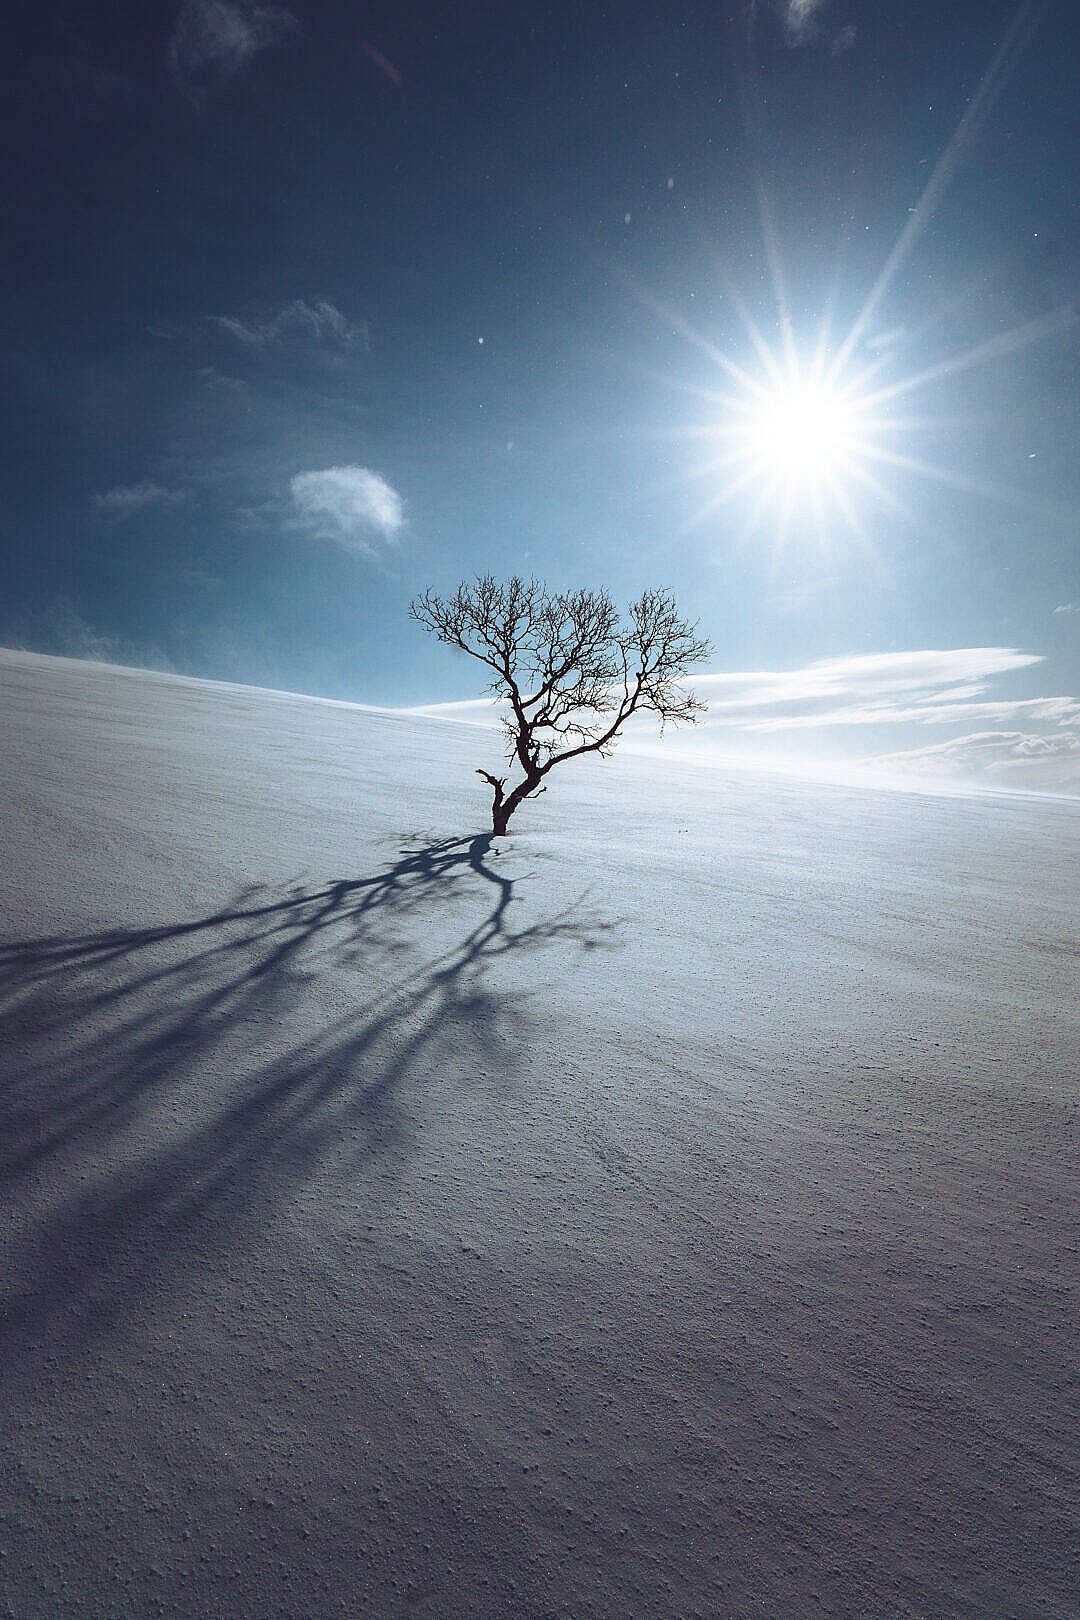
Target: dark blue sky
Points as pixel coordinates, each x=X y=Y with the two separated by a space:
x=252 y=253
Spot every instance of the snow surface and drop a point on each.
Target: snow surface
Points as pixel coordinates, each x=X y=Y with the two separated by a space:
x=666 y=1211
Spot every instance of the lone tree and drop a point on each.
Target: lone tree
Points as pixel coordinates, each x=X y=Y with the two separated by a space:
x=570 y=671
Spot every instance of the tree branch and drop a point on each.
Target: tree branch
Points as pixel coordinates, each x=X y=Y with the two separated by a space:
x=567 y=668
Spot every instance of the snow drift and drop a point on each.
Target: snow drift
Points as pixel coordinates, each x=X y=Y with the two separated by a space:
x=663 y=1211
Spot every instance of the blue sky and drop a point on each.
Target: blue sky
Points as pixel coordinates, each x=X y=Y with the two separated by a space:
x=308 y=308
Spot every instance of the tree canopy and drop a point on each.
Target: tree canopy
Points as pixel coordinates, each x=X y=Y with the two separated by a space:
x=571 y=672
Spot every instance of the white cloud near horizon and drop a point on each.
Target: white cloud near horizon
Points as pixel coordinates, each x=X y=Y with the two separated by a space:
x=348 y=505
x=1067 y=607
x=213 y=40
x=318 y=320
x=929 y=687
x=941 y=687
x=126 y=499
x=1014 y=759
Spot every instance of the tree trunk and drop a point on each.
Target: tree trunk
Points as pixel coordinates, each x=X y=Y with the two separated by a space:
x=500 y=814
x=502 y=809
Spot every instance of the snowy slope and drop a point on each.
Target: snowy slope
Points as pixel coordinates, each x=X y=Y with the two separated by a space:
x=669 y=1211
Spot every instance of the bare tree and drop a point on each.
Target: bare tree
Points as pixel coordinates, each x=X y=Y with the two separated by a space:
x=570 y=671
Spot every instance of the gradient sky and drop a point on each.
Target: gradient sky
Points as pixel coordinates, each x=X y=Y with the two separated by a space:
x=307 y=308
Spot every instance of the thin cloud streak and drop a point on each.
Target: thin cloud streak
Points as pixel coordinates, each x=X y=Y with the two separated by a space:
x=317 y=320
x=1058 y=710
x=931 y=687
x=1012 y=759
x=126 y=499
x=863 y=678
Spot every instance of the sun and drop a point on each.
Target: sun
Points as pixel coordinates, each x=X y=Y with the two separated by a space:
x=805 y=422
x=800 y=434
x=798 y=445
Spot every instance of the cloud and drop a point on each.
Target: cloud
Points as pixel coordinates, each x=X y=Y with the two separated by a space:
x=797 y=17
x=483 y=711
x=59 y=630
x=843 y=40
x=1004 y=758
x=214 y=39
x=348 y=505
x=931 y=686
x=810 y=711
x=126 y=499
x=943 y=687
x=319 y=322
x=219 y=382
x=1067 y=607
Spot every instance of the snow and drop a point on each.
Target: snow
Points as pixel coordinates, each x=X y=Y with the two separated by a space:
x=666 y=1211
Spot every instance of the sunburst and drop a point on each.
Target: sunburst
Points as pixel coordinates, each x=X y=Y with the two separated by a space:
x=799 y=445
x=812 y=435
x=797 y=434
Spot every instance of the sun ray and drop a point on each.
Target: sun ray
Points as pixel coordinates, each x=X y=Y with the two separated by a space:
x=1004 y=60
x=1020 y=337
x=846 y=507
x=971 y=486
x=686 y=330
x=776 y=273
x=859 y=474
x=799 y=431
x=766 y=357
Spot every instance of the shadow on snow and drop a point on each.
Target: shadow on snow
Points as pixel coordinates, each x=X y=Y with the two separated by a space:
x=164 y=1065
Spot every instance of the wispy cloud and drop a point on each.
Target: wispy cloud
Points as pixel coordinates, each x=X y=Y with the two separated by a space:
x=352 y=506
x=1067 y=607
x=60 y=630
x=484 y=711
x=797 y=17
x=931 y=687
x=126 y=499
x=214 y=39
x=1005 y=758
x=318 y=320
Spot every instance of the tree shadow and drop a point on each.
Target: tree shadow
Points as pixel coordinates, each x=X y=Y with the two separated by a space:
x=185 y=1078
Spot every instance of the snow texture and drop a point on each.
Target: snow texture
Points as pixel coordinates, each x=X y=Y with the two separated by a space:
x=668 y=1210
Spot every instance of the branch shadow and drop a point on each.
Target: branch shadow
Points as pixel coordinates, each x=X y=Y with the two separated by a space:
x=186 y=1078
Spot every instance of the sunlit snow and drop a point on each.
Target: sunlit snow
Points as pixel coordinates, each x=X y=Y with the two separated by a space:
x=661 y=1211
